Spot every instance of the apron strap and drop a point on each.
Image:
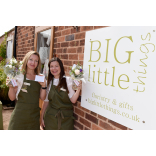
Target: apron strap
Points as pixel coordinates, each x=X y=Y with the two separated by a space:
x=59 y=116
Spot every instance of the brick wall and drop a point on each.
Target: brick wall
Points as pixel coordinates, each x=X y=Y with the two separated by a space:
x=69 y=47
x=25 y=41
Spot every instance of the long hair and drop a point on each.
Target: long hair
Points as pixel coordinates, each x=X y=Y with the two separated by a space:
x=25 y=61
x=62 y=80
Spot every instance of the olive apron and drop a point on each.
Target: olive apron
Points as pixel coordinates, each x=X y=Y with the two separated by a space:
x=59 y=113
x=26 y=115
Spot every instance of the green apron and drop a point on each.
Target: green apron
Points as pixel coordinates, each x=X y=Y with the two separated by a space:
x=59 y=113
x=26 y=115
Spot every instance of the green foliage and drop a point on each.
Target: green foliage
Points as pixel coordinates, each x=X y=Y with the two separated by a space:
x=3 y=87
x=3 y=47
x=2 y=75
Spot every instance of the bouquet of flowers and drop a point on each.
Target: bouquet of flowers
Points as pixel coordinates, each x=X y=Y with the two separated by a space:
x=76 y=74
x=11 y=69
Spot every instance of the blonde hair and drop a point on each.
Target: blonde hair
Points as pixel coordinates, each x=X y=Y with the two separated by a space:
x=25 y=61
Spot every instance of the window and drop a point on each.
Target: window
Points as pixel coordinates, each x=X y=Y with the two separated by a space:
x=43 y=45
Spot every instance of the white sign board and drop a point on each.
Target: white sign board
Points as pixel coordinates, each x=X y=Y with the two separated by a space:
x=120 y=70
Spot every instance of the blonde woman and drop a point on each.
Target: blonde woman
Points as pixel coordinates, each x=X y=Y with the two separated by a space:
x=26 y=115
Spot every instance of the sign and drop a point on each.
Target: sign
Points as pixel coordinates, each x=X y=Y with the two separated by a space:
x=120 y=71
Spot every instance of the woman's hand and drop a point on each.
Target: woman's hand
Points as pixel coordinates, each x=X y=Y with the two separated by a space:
x=42 y=126
x=80 y=85
x=10 y=85
x=7 y=82
x=43 y=84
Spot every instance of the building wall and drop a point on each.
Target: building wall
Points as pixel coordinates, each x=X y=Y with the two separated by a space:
x=10 y=33
x=69 y=47
x=24 y=40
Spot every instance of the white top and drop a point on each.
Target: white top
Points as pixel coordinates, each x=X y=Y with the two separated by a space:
x=20 y=79
x=69 y=85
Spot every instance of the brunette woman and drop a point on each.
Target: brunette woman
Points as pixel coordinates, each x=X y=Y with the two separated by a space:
x=57 y=110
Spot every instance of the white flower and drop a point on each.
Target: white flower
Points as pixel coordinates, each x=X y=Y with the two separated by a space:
x=77 y=72
x=21 y=62
x=74 y=65
x=10 y=66
x=14 y=61
x=11 y=61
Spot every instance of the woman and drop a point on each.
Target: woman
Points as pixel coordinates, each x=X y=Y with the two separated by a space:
x=26 y=115
x=59 y=99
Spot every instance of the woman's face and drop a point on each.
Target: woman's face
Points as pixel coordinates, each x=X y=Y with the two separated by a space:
x=32 y=62
x=55 y=69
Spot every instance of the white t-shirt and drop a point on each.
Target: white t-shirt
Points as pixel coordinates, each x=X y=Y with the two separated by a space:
x=56 y=81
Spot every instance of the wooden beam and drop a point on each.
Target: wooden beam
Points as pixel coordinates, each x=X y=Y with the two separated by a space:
x=52 y=42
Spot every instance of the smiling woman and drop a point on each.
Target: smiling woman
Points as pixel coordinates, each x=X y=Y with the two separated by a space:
x=57 y=110
x=26 y=114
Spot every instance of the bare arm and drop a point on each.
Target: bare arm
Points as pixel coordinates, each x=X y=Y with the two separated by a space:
x=43 y=91
x=74 y=98
x=12 y=93
x=12 y=90
x=44 y=107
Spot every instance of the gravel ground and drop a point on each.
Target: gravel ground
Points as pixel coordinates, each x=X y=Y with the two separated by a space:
x=6 y=113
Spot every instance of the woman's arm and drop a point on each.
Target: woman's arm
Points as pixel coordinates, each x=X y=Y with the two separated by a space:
x=12 y=93
x=43 y=91
x=44 y=107
x=12 y=90
x=74 y=98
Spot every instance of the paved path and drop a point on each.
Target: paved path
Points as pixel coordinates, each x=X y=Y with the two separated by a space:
x=6 y=113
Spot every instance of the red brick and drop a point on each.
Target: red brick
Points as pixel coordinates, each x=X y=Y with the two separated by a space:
x=85 y=122
x=93 y=113
x=66 y=32
x=117 y=125
x=101 y=117
x=77 y=124
x=74 y=43
x=57 y=34
x=95 y=127
x=76 y=62
x=79 y=112
x=61 y=28
x=91 y=118
x=59 y=50
x=86 y=28
x=75 y=30
x=56 y=28
x=97 y=27
x=64 y=50
x=105 y=126
x=55 y=45
x=71 y=50
x=80 y=35
x=81 y=56
x=69 y=63
x=61 y=39
x=73 y=57
x=58 y=45
x=64 y=56
x=80 y=50
x=76 y=116
x=55 y=40
x=64 y=44
x=82 y=42
x=86 y=128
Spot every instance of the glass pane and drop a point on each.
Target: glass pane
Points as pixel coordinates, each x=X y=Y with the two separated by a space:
x=9 y=49
x=43 y=47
